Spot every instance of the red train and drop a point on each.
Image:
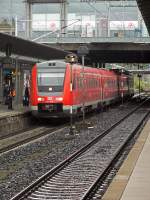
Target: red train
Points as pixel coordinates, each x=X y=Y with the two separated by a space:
x=50 y=88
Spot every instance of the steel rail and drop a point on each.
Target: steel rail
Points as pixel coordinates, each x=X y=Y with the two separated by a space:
x=29 y=139
x=35 y=185
x=88 y=195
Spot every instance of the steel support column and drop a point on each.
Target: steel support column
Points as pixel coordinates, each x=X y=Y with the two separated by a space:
x=28 y=20
x=16 y=82
x=63 y=16
x=1 y=83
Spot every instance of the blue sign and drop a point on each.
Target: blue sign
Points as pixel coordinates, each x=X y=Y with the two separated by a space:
x=6 y=71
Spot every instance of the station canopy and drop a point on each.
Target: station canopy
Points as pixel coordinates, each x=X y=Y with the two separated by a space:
x=19 y=46
x=45 y=1
x=58 y=1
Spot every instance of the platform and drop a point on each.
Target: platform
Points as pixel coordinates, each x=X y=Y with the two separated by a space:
x=4 y=111
x=132 y=182
x=13 y=120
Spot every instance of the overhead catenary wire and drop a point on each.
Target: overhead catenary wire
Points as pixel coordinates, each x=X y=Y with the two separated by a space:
x=57 y=31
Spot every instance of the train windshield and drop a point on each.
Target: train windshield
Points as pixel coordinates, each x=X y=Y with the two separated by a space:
x=50 y=82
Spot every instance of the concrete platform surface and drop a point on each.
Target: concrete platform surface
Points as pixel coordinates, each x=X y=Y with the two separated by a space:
x=132 y=182
x=14 y=120
x=17 y=109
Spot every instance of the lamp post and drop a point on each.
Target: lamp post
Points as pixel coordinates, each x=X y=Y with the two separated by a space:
x=83 y=103
x=139 y=76
x=11 y=17
x=122 y=86
x=72 y=59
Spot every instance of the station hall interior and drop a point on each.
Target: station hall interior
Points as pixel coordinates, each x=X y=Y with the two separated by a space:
x=115 y=34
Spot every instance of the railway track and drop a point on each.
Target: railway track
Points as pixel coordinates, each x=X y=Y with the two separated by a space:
x=12 y=141
x=16 y=139
x=77 y=176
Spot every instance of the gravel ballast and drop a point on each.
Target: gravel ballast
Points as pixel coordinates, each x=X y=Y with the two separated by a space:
x=23 y=165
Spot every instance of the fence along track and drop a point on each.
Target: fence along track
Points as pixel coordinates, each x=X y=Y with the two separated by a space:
x=72 y=178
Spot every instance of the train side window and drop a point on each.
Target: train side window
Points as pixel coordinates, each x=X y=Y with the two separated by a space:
x=78 y=86
x=108 y=83
x=87 y=83
x=74 y=83
x=80 y=83
x=77 y=82
x=90 y=82
x=84 y=83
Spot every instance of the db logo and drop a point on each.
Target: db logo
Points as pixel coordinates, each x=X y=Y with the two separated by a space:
x=49 y=98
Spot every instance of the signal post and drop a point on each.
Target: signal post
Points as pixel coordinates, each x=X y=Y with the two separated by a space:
x=72 y=59
x=83 y=51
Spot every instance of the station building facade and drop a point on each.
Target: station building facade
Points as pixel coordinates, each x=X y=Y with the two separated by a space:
x=83 y=18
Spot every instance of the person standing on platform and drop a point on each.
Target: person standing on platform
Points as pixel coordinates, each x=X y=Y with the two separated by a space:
x=5 y=94
x=10 y=99
x=26 y=97
x=11 y=95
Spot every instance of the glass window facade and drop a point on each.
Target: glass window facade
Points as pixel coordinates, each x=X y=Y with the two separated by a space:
x=82 y=19
x=105 y=19
x=9 y=11
x=46 y=19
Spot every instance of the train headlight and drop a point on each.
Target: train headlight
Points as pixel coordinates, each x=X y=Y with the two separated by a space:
x=59 y=98
x=40 y=99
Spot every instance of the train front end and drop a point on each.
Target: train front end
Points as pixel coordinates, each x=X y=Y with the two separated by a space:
x=47 y=89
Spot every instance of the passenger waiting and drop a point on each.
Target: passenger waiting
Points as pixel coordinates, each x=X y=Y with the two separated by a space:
x=6 y=94
x=26 y=97
x=11 y=94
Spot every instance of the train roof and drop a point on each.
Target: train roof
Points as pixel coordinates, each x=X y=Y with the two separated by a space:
x=52 y=63
x=62 y=64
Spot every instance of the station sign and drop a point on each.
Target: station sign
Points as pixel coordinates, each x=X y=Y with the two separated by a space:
x=82 y=50
x=46 y=22
x=123 y=25
x=7 y=62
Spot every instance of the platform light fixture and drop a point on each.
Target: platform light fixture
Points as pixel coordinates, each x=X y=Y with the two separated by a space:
x=71 y=58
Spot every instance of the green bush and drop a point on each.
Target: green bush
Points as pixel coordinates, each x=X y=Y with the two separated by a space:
x=143 y=84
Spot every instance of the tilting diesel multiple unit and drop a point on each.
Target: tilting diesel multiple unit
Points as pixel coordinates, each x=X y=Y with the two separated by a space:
x=52 y=96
